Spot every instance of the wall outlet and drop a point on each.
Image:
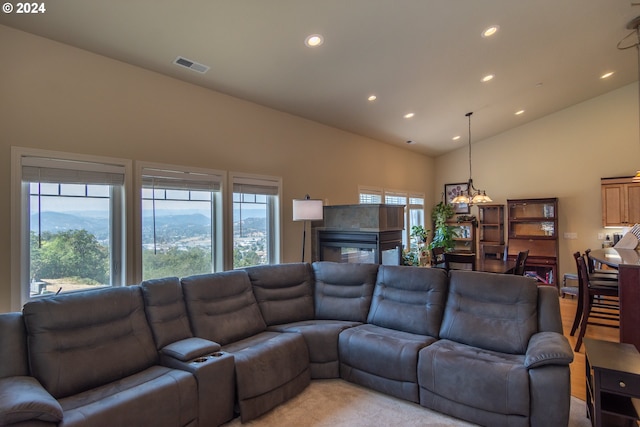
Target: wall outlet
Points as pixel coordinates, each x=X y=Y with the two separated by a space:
x=571 y=236
x=600 y=236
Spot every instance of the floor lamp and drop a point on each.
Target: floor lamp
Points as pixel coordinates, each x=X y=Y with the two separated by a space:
x=306 y=209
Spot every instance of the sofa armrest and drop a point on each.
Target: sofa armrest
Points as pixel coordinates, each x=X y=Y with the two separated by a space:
x=548 y=348
x=24 y=399
x=190 y=348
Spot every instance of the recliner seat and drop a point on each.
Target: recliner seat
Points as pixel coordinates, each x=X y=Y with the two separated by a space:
x=404 y=317
x=270 y=367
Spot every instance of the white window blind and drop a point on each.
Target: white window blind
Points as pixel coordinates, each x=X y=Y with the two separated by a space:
x=49 y=170
x=368 y=195
x=255 y=186
x=180 y=180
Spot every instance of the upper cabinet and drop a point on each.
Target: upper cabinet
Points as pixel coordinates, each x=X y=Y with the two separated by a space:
x=620 y=202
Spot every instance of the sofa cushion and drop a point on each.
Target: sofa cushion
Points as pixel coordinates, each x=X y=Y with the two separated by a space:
x=491 y=311
x=409 y=299
x=222 y=307
x=83 y=340
x=164 y=306
x=157 y=396
x=343 y=290
x=284 y=292
x=271 y=367
x=24 y=399
x=13 y=345
x=321 y=337
x=488 y=380
x=382 y=359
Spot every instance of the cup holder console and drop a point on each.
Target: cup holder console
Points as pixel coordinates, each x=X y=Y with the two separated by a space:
x=203 y=359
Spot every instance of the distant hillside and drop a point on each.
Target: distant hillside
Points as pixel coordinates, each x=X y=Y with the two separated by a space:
x=56 y=222
x=169 y=226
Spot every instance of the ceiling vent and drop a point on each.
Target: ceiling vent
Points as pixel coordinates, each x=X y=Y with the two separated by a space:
x=184 y=62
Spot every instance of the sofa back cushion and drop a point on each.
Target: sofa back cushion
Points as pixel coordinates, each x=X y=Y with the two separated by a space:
x=409 y=299
x=83 y=340
x=165 y=309
x=222 y=307
x=491 y=311
x=284 y=292
x=343 y=290
x=13 y=346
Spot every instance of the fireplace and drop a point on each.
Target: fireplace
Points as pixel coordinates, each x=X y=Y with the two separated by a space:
x=365 y=233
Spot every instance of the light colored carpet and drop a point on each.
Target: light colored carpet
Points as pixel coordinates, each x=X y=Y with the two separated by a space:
x=336 y=402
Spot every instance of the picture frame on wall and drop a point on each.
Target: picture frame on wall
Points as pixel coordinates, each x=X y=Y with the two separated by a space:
x=453 y=190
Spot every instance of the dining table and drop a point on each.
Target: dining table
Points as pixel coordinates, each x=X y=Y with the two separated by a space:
x=494 y=265
x=627 y=262
x=491 y=265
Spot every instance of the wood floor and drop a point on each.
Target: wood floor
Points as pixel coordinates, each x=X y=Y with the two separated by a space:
x=568 y=310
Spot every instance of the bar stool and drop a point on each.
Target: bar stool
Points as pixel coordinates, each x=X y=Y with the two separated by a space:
x=599 y=301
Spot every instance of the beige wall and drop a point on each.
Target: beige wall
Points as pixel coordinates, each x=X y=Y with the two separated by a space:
x=56 y=97
x=563 y=155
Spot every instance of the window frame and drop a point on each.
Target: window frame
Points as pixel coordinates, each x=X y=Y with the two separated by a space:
x=275 y=213
x=218 y=229
x=121 y=220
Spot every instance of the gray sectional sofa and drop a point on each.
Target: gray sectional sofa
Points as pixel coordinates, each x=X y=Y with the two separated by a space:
x=482 y=347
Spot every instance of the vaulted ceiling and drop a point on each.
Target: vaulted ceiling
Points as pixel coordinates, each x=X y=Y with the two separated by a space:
x=425 y=57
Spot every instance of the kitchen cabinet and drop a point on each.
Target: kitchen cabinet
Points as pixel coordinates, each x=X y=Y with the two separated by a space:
x=620 y=202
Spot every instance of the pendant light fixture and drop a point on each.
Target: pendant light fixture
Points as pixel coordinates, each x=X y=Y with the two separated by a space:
x=634 y=25
x=472 y=195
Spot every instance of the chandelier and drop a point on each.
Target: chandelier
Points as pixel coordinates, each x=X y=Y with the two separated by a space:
x=471 y=196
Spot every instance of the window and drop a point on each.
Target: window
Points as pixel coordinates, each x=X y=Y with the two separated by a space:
x=69 y=222
x=414 y=207
x=181 y=221
x=370 y=195
x=416 y=211
x=397 y=198
x=256 y=220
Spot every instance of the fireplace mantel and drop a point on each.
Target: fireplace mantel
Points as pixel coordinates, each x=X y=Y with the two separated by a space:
x=364 y=233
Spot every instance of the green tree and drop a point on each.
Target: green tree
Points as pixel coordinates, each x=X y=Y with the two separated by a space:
x=245 y=258
x=175 y=262
x=73 y=253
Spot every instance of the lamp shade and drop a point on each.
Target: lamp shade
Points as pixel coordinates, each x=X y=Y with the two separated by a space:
x=307 y=209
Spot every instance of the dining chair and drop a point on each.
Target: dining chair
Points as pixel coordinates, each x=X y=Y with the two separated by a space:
x=521 y=261
x=459 y=261
x=489 y=251
x=599 y=301
x=598 y=273
x=437 y=257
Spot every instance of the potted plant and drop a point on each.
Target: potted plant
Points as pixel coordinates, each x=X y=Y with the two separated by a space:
x=444 y=233
x=422 y=255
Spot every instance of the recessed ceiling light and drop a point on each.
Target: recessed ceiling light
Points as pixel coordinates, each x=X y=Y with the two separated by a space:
x=519 y=112
x=372 y=98
x=455 y=138
x=314 y=40
x=487 y=78
x=489 y=31
x=607 y=75
x=409 y=115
